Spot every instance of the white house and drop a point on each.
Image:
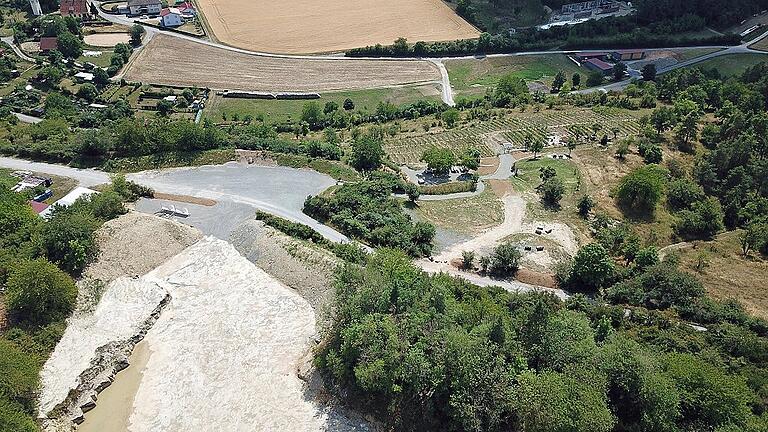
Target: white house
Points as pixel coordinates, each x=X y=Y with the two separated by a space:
x=68 y=199
x=144 y=7
x=84 y=76
x=171 y=17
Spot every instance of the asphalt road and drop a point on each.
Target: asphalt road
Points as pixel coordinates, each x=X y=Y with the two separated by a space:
x=238 y=189
x=9 y=41
x=277 y=190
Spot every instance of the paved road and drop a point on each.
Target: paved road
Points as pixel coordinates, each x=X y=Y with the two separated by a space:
x=86 y=177
x=277 y=190
x=17 y=50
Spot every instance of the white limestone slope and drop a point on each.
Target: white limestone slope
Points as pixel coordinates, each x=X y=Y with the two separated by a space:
x=225 y=350
x=121 y=313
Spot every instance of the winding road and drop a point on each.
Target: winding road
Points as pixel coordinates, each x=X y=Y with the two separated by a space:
x=240 y=190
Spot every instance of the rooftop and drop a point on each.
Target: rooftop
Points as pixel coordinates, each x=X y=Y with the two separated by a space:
x=73 y=7
x=600 y=64
x=48 y=43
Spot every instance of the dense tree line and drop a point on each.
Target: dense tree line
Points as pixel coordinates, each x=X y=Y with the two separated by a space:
x=367 y=211
x=38 y=260
x=437 y=353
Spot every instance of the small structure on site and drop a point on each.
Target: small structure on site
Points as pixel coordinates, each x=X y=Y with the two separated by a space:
x=84 y=76
x=144 y=7
x=75 y=8
x=48 y=43
x=582 y=57
x=69 y=199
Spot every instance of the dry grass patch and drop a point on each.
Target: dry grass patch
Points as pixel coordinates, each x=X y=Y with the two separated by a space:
x=188 y=63
x=725 y=273
x=467 y=215
x=309 y=26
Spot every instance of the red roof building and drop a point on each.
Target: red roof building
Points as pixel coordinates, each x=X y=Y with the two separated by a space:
x=74 y=8
x=38 y=207
x=598 y=65
x=48 y=44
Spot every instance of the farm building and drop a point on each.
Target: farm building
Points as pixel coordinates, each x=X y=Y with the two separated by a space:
x=171 y=17
x=598 y=65
x=627 y=55
x=586 y=56
x=74 y=8
x=144 y=7
x=187 y=9
x=48 y=44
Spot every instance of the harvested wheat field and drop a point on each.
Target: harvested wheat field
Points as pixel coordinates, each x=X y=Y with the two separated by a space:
x=188 y=63
x=310 y=26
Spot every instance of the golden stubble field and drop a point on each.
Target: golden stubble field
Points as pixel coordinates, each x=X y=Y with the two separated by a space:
x=311 y=26
x=174 y=61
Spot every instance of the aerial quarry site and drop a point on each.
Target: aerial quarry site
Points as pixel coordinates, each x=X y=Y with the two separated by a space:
x=414 y=215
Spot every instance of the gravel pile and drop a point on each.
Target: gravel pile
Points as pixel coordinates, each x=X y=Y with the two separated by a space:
x=136 y=243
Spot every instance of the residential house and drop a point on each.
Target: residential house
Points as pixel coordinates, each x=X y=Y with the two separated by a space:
x=171 y=17
x=627 y=55
x=187 y=10
x=69 y=199
x=144 y=7
x=75 y=8
x=48 y=43
x=599 y=65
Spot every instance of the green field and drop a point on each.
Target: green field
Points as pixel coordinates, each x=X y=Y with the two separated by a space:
x=467 y=215
x=473 y=76
x=733 y=64
x=102 y=60
x=217 y=107
x=528 y=173
x=684 y=55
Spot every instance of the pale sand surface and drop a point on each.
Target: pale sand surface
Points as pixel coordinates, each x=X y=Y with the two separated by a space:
x=106 y=39
x=188 y=63
x=310 y=26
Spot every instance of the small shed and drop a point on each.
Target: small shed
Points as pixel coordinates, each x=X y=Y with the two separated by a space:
x=48 y=44
x=84 y=76
x=627 y=55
